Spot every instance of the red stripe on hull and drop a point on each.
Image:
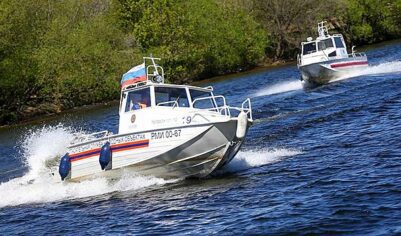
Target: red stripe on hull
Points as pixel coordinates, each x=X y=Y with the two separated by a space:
x=85 y=152
x=129 y=143
x=129 y=148
x=145 y=144
x=81 y=158
x=354 y=63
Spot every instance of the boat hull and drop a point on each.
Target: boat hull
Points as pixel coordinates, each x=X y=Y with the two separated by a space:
x=188 y=151
x=324 y=72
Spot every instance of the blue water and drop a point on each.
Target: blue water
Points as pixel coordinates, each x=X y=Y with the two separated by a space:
x=319 y=161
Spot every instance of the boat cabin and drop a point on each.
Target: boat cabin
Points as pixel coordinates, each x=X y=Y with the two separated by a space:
x=325 y=47
x=166 y=95
x=150 y=102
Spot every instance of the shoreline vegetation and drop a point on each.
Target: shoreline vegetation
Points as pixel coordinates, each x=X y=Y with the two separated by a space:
x=59 y=55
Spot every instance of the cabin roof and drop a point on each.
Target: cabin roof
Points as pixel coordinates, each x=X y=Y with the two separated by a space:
x=149 y=84
x=318 y=39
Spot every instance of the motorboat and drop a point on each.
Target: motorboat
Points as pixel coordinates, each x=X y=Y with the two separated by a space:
x=165 y=130
x=326 y=58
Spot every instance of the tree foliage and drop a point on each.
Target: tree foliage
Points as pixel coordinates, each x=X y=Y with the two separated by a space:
x=196 y=39
x=60 y=54
x=370 y=21
x=290 y=21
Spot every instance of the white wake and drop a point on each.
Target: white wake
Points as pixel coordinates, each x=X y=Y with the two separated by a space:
x=41 y=150
x=287 y=86
x=282 y=87
x=37 y=186
x=249 y=159
x=383 y=68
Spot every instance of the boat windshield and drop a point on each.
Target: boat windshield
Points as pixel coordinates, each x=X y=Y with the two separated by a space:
x=309 y=48
x=166 y=96
x=138 y=99
x=325 y=44
x=202 y=99
x=339 y=42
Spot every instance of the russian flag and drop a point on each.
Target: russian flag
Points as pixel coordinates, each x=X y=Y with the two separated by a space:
x=136 y=74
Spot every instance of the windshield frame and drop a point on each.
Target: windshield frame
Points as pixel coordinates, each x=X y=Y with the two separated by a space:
x=124 y=108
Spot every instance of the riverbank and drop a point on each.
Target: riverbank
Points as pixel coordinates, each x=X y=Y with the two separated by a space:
x=40 y=119
x=261 y=67
x=34 y=115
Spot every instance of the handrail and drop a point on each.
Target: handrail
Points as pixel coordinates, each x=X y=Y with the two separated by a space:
x=246 y=106
x=217 y=108
x=209 y=97
x=165 y=103
x=357 y=54
x=249 y=108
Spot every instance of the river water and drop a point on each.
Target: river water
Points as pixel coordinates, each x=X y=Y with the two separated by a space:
x=319 y=161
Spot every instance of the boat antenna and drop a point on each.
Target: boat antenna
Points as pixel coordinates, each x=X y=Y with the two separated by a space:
x=322 y=29
x=156 y=76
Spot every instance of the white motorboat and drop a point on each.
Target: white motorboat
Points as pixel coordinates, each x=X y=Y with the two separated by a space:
x=326 y=58
x=165 y=130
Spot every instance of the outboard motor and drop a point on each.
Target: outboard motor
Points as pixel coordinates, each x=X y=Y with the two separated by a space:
x=65 y=166
x=105 y=156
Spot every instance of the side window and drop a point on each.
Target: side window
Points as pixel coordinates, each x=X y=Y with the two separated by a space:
x=309 y=48
x=324 y=44
x=200 y=99
x=166 y=96
x=339 y=42
x=138 y=99
x=321 y=46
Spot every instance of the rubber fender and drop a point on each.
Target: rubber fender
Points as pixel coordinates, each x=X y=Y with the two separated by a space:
x=241 y=124
x=105 y=156
x=65 y=166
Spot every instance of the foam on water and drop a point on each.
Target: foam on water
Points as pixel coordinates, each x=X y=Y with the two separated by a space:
x=46 y=189
x=282 y=87
x=39 y=146
x=249 y=159
x=382 y=68
x=38 y=186
x=43 y=145
x=287 y=86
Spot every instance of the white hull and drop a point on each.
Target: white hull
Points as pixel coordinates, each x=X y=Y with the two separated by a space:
x=324 y=72
x=181 y=152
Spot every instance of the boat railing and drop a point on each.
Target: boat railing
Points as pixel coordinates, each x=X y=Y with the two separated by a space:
x=174 y=104
x=214 y=102
x=247 y=107
x=357 y=54
x=223 y=108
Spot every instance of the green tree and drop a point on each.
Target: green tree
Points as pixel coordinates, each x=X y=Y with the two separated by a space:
x=59 y=54
x=21 y=24
x=291 y=21
x=196 y=39
x=369 y=21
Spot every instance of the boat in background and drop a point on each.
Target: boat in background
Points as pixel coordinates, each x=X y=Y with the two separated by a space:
x=165 y=130
x=326 y=58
